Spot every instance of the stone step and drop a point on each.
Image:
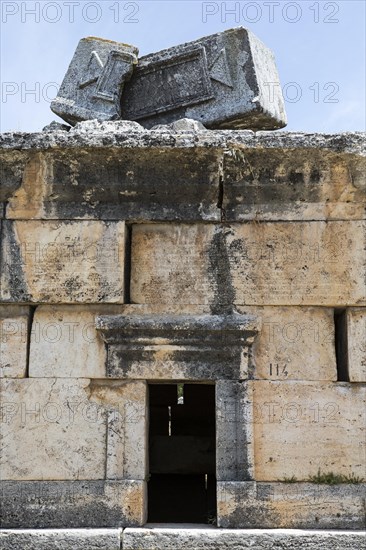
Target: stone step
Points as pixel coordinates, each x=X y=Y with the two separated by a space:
x=187 y=537
x=62 y=539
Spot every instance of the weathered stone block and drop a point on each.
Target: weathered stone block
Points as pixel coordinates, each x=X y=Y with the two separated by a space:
x=94 y=81
x=119 y=184
x=221 y=80
x=60 y=429
x=63 y=262
x=293 y=184
x=263 y=175
x=290 y=506
x=14 y=328
x=64 y=342
x=234 y=438
x=356 y=344
x=127 y=421
x=301 y=427
x=126 y=134
x=294 y=343
x=180 y=347
x=72 y=504
x=186 y=538
x=255 y=264
x=78 y=539
x=51 y=430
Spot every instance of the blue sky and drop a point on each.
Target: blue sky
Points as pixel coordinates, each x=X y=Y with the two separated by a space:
x=319 y=48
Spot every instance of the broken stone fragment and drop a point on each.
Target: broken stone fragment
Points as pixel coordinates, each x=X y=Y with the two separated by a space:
x=56 y=127
x=90 y=126
x=226 y=80
x=180 y=126
x=94 y=81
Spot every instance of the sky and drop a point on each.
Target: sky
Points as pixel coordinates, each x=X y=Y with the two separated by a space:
x=319 y=48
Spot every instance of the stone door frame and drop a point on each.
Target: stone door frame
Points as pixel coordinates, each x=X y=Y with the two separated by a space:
x=203 y=348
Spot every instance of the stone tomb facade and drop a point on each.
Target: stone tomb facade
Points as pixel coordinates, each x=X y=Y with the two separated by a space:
x=182 y=328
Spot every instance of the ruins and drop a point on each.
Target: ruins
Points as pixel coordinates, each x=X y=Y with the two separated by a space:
x=226 y=80
x=182 y=312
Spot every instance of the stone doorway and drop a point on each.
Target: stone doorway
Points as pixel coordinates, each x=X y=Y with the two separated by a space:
x=182 y=453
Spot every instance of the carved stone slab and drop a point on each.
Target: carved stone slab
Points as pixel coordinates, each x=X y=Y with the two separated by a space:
x=293 y=343
x=226 y=80
x=66 y=262
x=181 y=347
x=303 y=263
x=94 y=80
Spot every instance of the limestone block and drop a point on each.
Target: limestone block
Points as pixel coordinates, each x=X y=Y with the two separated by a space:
x=294 y=343
x=189 y=538
x=126 y=407
x=50 y=430
x=66 y=262
x=44 y=539
x=109 y=183
x=60 y=429
x=14 y=327
x=301 y=427
x=64 y=342
x=220 y=80
x=234 y=438
x=122 y=171
x=291 y=506
x=306 y=263
x=72 y=504
x=293 y=184
x=356 y=344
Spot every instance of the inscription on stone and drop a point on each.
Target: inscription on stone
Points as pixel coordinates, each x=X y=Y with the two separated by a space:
x=309 y=263
x=63 y=262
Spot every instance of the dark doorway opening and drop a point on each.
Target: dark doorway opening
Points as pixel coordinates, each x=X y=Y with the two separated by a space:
x=182 y=457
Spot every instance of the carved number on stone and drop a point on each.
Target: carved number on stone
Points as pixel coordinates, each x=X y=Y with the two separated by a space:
x=277 y=370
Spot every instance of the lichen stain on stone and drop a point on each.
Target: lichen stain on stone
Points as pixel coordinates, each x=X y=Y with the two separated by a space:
x=219 y=271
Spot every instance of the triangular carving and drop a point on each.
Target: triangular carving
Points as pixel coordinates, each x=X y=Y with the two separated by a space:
x=220 y=69
x=92 y=70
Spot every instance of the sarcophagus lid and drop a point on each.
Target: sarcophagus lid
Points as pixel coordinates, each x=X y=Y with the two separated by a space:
x=226 y=80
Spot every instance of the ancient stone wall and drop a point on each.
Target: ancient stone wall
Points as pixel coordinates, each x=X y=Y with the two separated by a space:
x=231 y=258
